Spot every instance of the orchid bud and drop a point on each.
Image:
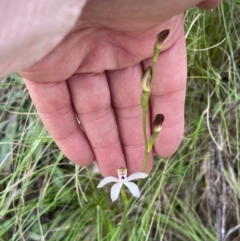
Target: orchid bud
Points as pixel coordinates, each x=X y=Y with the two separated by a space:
x=161 y=37
x=146 y=79
x=157 y=123
x=159 y=43
x=157 y=127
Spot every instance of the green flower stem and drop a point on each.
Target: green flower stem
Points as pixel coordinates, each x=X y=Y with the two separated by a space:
x=145 y=100
x=145 y=161
x=147 y=82
x=147 y=86
x=124 y=196
x=152 y=141
x=156 y=53
x=124 y=215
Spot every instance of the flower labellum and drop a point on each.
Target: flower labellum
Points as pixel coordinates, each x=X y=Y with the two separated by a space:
x=123 y=180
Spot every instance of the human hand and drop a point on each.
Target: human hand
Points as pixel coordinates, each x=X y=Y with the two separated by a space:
x=96 y=71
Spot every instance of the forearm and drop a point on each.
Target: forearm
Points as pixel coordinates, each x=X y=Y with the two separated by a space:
x=126 y=15
x=31 y=29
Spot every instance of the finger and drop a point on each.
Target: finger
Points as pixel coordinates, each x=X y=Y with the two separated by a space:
x=125 y=86
x=54 y=107
x=92 y=103
x=168 y=96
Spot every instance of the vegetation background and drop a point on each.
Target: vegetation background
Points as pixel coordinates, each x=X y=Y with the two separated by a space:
x=193 y=196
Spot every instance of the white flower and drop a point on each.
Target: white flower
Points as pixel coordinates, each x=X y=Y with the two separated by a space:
x=123 y=179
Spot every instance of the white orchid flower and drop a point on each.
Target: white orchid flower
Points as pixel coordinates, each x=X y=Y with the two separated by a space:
x=123 y=180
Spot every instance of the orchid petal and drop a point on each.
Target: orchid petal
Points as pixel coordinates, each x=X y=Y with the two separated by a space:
x=107 y=180
x=133 y=188
x=137 y=175
x=115 y=190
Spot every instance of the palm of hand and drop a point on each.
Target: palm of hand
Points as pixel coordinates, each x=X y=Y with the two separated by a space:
x=94 y=71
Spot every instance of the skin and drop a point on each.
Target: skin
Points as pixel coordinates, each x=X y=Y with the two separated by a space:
x=95 y=74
